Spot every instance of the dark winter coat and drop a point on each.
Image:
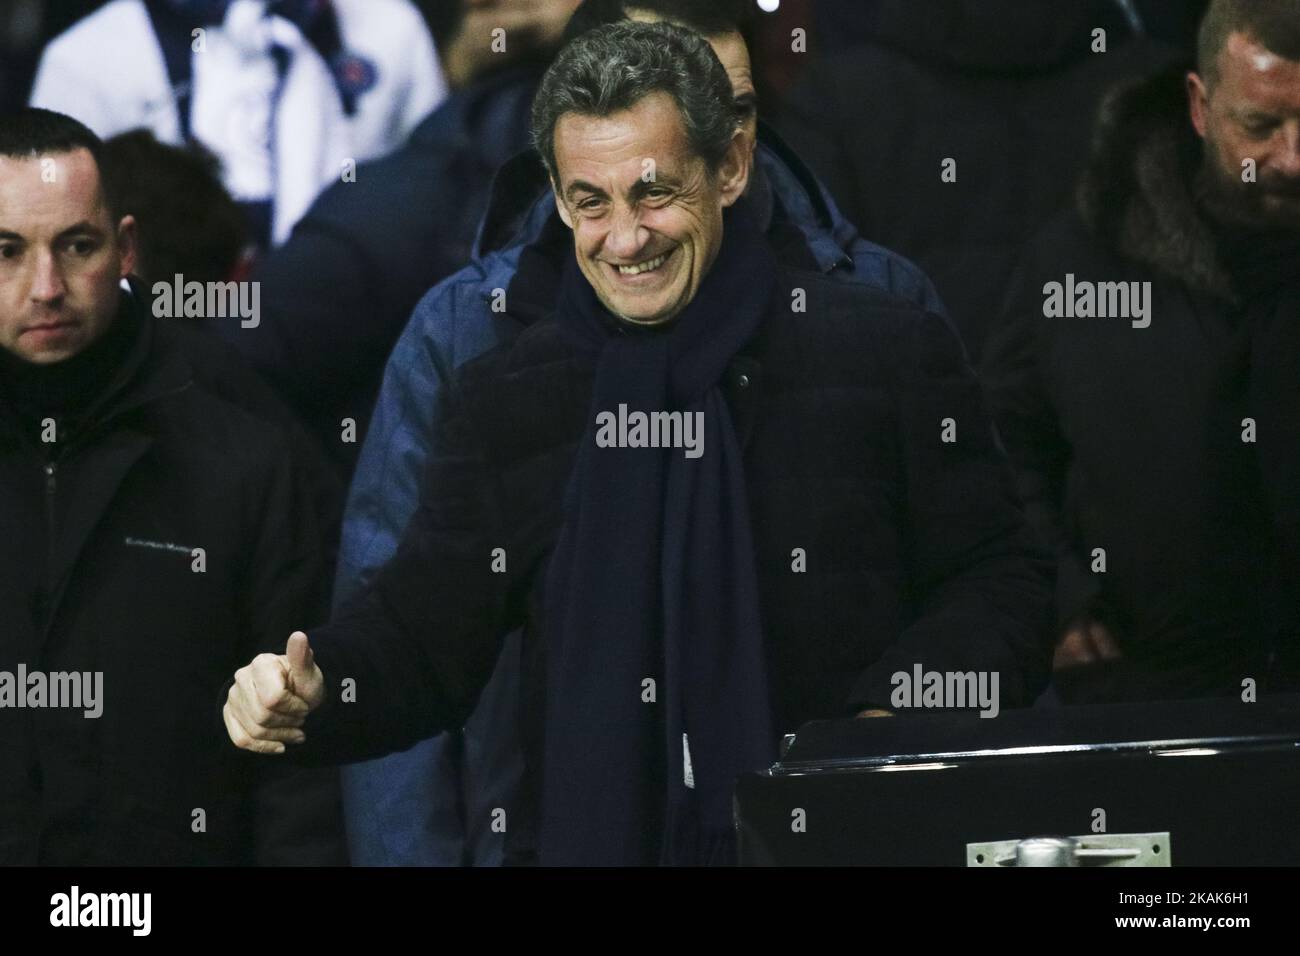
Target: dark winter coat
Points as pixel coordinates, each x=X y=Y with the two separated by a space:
x=913 y=548
x=1004 y=88
x=336 y=296
x=432 y=805
x=1132 y=446
x=99 y=572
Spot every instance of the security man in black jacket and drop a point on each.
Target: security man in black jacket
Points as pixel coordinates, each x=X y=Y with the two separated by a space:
x=155 y=532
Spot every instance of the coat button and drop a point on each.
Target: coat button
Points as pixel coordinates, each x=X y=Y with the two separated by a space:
x=743 y=381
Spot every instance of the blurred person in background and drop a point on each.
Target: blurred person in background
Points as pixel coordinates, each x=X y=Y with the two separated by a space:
x=468 y=52
x=25 y=27
x=20 y=42
x=956 y=130
x=188 y=224
x=286 y=93
x=846 y=23
x=1157 y=448
x=336 y=296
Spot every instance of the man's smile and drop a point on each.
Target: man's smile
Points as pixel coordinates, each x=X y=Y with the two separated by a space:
x=647 y=268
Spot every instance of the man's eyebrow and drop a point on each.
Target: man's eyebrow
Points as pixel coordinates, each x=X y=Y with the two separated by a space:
x=6 y=235
x=1255 y=116
x=81 y=228
x=580 y=186
x=635 y=191
x=642 y=186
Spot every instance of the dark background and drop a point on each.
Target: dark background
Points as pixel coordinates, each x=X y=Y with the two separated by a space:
x=26 y=25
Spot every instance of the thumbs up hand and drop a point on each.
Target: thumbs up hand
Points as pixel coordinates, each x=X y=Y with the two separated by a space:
x=272 y=696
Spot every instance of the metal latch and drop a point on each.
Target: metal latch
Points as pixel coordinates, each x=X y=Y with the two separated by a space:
x=1097 y=849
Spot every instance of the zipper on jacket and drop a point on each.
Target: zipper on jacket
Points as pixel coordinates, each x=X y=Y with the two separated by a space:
x=51 y=487
x=92 y=430
x=84 y=438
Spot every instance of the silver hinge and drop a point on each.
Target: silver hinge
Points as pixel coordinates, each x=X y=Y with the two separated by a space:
x=1097 y=849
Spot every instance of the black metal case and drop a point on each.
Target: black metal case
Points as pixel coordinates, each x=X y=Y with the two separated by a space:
x=1203 y=782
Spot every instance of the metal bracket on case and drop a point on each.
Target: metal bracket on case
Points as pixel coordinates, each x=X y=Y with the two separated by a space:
x=1097 y=849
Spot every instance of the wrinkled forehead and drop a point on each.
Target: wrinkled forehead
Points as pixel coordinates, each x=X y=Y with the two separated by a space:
x=643 y=143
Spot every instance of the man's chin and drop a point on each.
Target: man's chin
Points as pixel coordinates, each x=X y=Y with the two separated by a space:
x=656 y=318
x=51 y=356
x=43 y=356
x=50 y=352
x=638 y=310
x=1247 y=206
x=1282 y=212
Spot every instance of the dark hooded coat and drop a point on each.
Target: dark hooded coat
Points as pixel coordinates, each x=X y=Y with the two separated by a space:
x=1138 y=442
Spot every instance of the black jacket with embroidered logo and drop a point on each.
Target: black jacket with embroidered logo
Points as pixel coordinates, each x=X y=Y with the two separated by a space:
x=99 y=573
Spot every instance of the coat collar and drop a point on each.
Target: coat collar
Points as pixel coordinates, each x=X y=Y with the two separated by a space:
x=1136 y=194
x=152 y=368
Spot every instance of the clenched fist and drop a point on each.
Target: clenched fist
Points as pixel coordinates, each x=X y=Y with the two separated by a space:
x=1086 y=641
x=272 y=696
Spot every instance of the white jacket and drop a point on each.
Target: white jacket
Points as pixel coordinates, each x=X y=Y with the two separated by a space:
x=278 y=141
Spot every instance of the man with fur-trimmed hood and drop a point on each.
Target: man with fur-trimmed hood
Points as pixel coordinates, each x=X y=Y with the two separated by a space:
x=1146 y=370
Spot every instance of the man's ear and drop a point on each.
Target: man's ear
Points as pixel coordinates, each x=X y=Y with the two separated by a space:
x=1198 y=103
x=562 y=209
x=128 y=244
x=733 y=171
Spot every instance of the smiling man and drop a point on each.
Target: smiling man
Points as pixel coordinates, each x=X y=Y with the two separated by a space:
x=645 y=228
x=679 y=613
x=435 y=803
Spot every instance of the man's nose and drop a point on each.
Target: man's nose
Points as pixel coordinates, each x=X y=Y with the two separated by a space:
x=626 y=237
x=1286 y=159
x=47 y=280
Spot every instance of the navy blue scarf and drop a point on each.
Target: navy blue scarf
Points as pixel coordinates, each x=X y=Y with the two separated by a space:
x=654 y=579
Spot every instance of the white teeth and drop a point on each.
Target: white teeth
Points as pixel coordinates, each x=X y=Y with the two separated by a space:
x=647 y=266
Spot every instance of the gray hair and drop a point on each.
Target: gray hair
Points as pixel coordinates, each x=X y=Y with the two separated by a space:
x=611 y=68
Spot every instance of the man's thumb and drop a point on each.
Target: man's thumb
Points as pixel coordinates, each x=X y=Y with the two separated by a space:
x=298 y=650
